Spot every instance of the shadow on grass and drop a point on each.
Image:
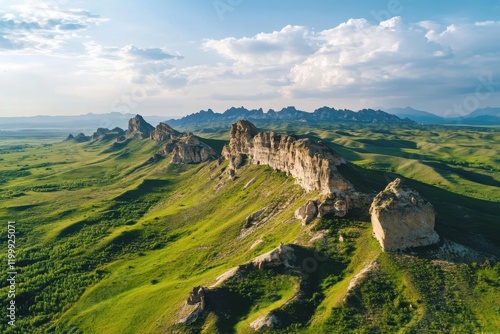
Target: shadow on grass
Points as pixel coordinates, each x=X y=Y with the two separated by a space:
x=468 y=175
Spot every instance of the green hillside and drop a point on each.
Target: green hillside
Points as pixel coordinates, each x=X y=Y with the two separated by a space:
x=108 y=244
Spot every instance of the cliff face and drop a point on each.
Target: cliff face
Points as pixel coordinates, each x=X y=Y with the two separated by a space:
x=312 y=164
x=401 y=218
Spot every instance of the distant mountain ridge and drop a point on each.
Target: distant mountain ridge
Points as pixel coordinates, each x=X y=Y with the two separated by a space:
x=484 y=116
x=290 y=114
x=80 y=123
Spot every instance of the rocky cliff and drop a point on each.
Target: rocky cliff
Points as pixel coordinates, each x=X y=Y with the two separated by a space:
x=401 y=218
x=311 y=163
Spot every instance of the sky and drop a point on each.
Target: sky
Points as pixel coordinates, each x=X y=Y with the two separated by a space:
x=172 y=58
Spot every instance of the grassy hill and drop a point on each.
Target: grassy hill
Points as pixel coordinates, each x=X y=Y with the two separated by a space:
x=107 y=244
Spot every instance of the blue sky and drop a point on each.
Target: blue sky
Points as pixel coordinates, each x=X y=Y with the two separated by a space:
x=171 y=58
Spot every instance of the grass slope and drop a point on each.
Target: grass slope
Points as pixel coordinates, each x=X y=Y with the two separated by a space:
x=107 y=244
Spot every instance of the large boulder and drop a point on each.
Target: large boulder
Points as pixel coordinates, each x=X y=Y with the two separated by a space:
x=307 y=213
x=401 y=218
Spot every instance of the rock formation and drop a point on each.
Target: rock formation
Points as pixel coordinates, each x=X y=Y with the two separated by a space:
x=139 y=128
x=188 y=149
x=101 y=132
x=278 y=256
x=194 y=307
x=307 y=212
x=312 y=164
x=401 y=218
x=163 y=132
x=269 y=320
x=81 y=138
x=254 y=216
x=182 y=147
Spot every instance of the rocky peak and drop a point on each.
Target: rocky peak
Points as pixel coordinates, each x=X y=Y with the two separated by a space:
x=101 y=132
x=163 y=132
x=139 y=128
x=81 y=138
x=401 y=218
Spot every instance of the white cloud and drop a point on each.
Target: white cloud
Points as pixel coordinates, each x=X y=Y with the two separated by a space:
x=287 y=46
x=144 y=66
x=357 y=59
x=41 y=27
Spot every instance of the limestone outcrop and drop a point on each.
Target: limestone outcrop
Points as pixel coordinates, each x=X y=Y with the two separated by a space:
x=401 y=218
x=312 y=164
x=278 y=256
x=163 y=132
x=307 y=213
x=269 y=320
x=188 y=149
x=139 y=128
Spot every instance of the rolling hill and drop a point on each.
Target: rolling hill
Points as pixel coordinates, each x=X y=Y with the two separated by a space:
x=142 y=235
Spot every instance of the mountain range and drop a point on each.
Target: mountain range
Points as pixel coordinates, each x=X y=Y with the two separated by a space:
x=288 y=114
x=408 y=115
x=484 y=116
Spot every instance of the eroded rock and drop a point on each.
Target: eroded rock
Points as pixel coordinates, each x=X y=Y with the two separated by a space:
x=401 y=218
x=254 y=216
x=194 y=307
x=163 y=132
x=281 y=255
x=139 y=128
x=311 y=163
x=189 y=149
x=270 y=320
x=307 y=213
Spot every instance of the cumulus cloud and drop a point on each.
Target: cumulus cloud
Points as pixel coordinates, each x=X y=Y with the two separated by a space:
x=42 y=27
x=357 y=58
x=146 y=66
x=287 y=46
x=357 y=53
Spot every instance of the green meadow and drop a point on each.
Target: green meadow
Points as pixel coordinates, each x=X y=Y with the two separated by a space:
x=107 y=243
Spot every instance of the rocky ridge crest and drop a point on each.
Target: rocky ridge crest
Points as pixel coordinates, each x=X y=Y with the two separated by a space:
x=312 y=164
x=182 y=147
